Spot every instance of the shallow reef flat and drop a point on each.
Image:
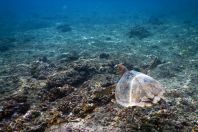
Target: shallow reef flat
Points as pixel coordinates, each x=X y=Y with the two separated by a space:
x=54 y=79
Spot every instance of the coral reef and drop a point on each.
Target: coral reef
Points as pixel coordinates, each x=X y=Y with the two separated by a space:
x=50 y=81
x=80 y=97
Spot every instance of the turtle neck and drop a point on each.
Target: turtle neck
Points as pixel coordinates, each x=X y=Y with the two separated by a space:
x=121 y=68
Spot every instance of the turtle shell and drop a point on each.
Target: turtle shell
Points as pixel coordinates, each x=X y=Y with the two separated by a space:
x=137 y=89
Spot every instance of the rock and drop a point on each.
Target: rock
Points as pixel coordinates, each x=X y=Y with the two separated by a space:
x=104 y=56
x=58 y=92
x=41 y=69
x=16 y=105
x=139 y=32
x=104 y=95
x=71 y=103
x=71 y=77
x=76 y=75
x=64 y=28
x=100 y=89
x=84 y=109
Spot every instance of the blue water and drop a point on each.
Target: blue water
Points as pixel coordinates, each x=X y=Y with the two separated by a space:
x=49 y=46
x=15 y=13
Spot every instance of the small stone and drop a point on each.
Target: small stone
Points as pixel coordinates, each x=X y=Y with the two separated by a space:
x=104 y=56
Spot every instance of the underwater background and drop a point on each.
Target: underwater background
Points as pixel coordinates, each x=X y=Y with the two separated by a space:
x=57 y=61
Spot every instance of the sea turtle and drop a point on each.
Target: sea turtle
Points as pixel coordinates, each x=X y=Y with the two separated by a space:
x=137 y=89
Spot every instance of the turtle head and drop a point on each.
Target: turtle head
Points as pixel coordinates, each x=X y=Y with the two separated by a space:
x=121 y=68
